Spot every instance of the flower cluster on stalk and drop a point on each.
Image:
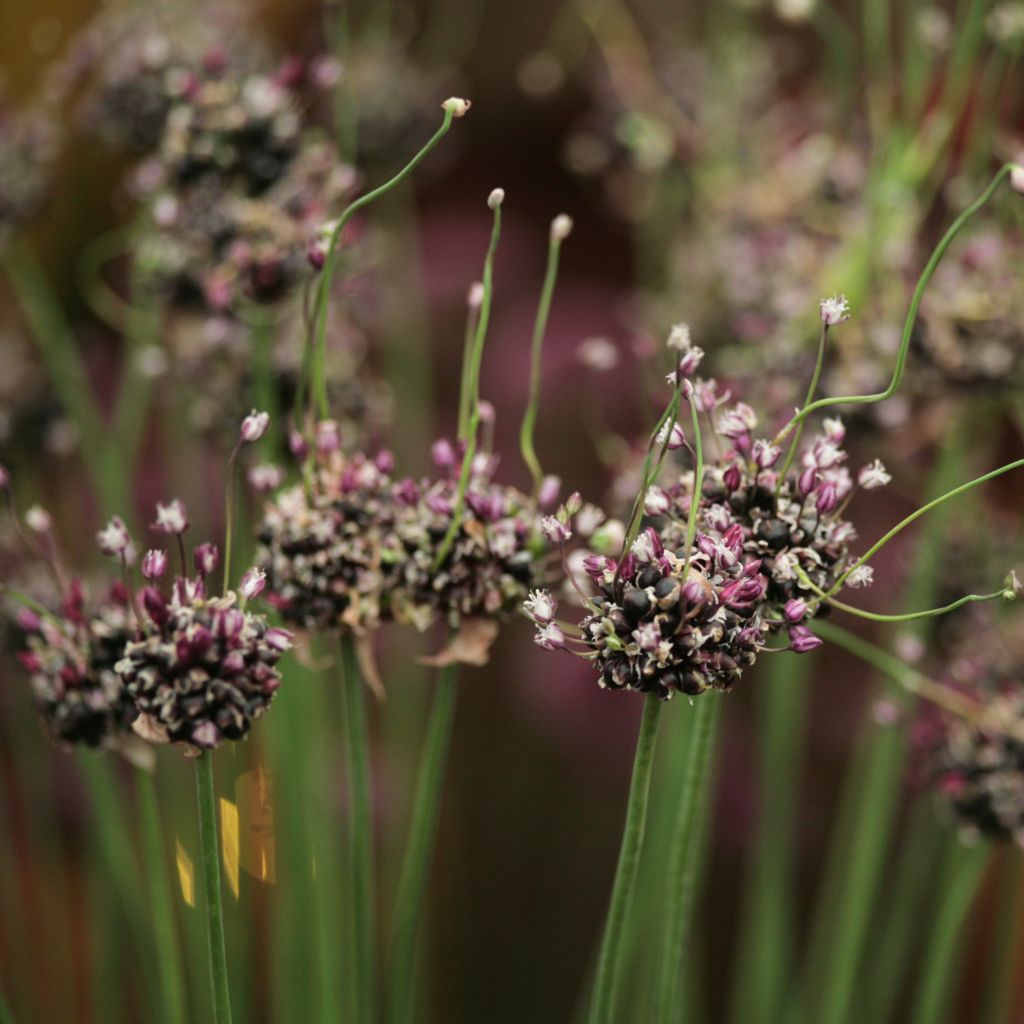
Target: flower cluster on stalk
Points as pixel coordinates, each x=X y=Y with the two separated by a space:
x=352 y=546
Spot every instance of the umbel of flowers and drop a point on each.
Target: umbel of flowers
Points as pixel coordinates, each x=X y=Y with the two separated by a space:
x=71 y=657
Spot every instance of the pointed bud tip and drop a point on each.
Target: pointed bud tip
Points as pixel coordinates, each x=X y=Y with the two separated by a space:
x=456 y=106
x=496 y=198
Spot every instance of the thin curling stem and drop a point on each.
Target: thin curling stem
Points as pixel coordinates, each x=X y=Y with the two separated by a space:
x=811 y=389
x=472 y=392
x=412 y=883
x=171 y=968
x=911 y=318
x=684 y=853
x=526 y=432
x=602 y=1007
x=210 y=862
x=229 y=518
x=904 y=523
x=469 y=337
x=912 y=616
x=362 y=894
x=327 y=275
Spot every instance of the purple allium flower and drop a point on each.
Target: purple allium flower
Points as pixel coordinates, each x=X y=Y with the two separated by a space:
x=550 y=487
x=555 y=530
x=114 y=538
x=672 y=437
x=171 y=519
x=834 y=310
x=252 y=584
x=550 y=637
x=795 y=611
x=254 y=426
x=541 y=606
x=802 y=640
x=154 y=564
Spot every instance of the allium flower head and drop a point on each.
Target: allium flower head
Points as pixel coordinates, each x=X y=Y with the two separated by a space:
x=114 y=538
x=834 y=310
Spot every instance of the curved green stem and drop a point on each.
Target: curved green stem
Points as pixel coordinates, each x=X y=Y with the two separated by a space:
x=472 y=388
x=210 y=863
x=363 y=891
x=911 y=318
x=602 y=1006
x=964 y=875
x=412 y=883
x=812 y=387
x=904 y=523
x=327 y=274
x=169 y=960
x=684 y=852
x=526 y=432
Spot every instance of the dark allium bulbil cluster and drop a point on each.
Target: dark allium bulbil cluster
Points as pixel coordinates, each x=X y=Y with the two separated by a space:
x=324 y=540
x=353 y=547
x=71 y=658
x=768 y=531
x=977 y=764
x=201 y=669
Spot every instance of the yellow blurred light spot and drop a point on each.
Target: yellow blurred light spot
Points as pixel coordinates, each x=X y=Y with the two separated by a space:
x=256 y=809
x=230 y=843
x=186 y=874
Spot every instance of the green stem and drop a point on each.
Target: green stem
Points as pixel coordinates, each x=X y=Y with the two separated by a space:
x=684 y=852
x=6 y=1017
x=169 y=960
x=362 y=894
x=933 y=504
x=911 y=318
x=67 y=370
x=327 y=275
x=412 y=882
x=768 y=917
x=210 y=863
x=965 y=872
x=1006 y=949
x=602 y=1007
x=526 y=432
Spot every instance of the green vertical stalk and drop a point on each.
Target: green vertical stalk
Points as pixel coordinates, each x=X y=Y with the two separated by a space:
x=56 y=343
x=768 y=919
x=362 y=894
x=169 y=960
x=602 y=1007
x=6 y=1017
x=412 y=884
x=684 y=852
x=998 y=1001
x=210 y=864
x=965 y=871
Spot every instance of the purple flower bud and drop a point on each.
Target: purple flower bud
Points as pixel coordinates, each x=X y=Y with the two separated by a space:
x=693 y=592
x=827 y=500
x=114 y=538
x=550 y=637
x=154 y=565
x=253 y=582
x=28 y=620
x=765 y=454
x=328 y=437
x=297 y=445
x=443 y=454
x=555 y=530
x=407 y=491
x=802 y=640
x=171 y=518
x=795 y=611
x=596 y=566
x=278 y=639
x=627 y=568
x=741 y=594
x=732 y=478
x=385 y=461
x=806 y=481
x=439 y=504
x=548 y=493
x=573 y=504
x=155 y=605
x=733 y=538
x=316 y=253
x=254 y=426
x=206 y=557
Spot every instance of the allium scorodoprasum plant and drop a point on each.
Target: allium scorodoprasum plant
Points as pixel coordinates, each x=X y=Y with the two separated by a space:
x=743 y=550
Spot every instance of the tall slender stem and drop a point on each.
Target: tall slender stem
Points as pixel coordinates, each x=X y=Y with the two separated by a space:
x=362 y=894
x=6 y=1017
x=602 y=1007
x=415 y=871
x=684 y=853
x=965 y=872
x=210 y=862
x=169 y=960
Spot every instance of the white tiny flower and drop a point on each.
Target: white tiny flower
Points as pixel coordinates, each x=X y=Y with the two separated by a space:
x=834 y=429
x=114 y=539
x=656 y=501
x=672 y=436
x=1017 y=178
x=873 y=476
x=38 y=520
x=647 y=636
x=541 y=606
x=862 y=576
x=598 y=354
x=254 y=426
x=555 y=530
x=561 y=227
x=265 y=477
x=457 y=106
x=834 y=310
x=171 y=518
x=679 y=337
x=643 y=547
x=550 y=637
